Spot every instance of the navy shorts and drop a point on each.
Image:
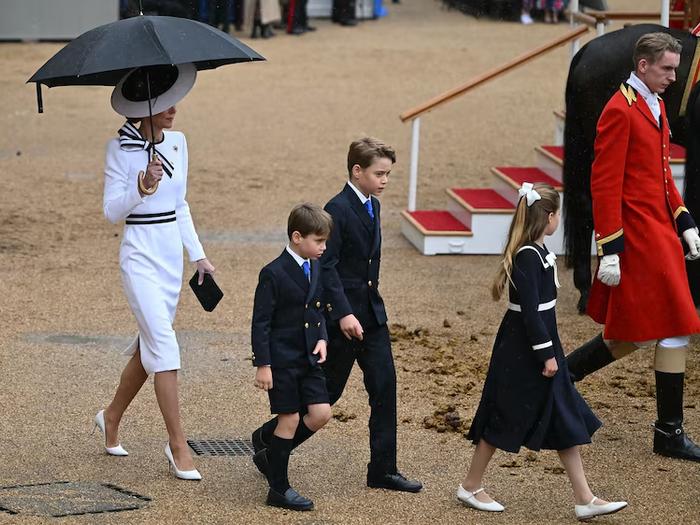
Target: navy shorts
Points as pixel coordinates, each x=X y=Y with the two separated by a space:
x=295 y=388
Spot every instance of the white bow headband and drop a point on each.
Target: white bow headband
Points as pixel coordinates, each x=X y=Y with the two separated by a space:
x=528 y=191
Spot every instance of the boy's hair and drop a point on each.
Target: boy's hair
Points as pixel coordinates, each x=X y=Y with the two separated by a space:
x=528 y=224
x=365 y=150
x=652 y=47
x=308 y=218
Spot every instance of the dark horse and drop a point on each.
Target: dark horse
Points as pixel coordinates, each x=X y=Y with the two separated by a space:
x=594 y=75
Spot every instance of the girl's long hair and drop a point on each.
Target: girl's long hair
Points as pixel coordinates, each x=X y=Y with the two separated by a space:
x=527 y=225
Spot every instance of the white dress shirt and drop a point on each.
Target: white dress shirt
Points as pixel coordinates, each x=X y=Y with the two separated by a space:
x=652 y=99
x=298 y=258
x=360 y=195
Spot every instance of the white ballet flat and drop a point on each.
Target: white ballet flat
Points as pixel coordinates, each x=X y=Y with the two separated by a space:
x=192 y=475
x=468 y=498
x=100 y=423
x=586 y=512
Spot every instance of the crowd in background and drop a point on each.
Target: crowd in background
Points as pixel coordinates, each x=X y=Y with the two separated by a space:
x=526 y=11
x=259 y=17
x=552 y=10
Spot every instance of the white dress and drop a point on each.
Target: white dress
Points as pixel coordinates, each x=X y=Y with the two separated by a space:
x=157 y=226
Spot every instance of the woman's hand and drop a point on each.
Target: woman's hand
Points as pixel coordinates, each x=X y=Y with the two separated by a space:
x=550 y=367
x=204 y=266
x=154 y=172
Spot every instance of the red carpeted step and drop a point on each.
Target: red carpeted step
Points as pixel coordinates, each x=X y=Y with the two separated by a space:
x=556 y=153
x=481 y=200
x=515 y=176
x=677 y=153
x=436 y=222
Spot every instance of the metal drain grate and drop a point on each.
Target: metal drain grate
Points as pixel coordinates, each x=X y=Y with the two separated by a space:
x=222 y=447
x=66 y=498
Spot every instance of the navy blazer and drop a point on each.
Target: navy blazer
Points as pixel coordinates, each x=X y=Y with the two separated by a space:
x=288 y=316
x=351 y=261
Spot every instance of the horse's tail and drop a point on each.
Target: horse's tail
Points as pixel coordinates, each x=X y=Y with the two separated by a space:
x=578 y=156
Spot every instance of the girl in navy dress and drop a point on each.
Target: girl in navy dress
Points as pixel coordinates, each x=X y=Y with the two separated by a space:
x=528 y=398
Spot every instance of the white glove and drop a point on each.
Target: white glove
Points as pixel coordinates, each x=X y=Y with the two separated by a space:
x=609 y=269
x=693 y=239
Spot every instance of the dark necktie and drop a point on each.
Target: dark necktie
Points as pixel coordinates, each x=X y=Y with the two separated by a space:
x=368 y=206
x=307 y=269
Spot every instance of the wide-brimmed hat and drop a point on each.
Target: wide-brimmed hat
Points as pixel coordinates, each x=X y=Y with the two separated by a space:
x=168 y=84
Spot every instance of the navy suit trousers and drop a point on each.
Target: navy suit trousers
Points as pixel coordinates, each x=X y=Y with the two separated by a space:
x=373 y=355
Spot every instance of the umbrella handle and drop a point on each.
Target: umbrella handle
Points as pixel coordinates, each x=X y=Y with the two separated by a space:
x=142 y=188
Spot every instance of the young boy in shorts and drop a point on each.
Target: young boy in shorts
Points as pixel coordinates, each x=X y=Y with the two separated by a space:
x=289 y=342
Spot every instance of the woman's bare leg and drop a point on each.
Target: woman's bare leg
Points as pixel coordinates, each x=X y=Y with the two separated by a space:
x=475 y=476
x=166 y=394
x=132 y=379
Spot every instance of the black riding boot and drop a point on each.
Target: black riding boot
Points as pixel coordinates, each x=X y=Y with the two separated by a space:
x=669 y=437
x=588 y=358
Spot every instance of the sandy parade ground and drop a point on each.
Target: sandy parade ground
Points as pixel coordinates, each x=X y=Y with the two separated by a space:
x=263 y=137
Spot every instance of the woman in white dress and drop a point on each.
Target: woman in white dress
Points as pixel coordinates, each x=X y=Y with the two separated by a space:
x=150 y=197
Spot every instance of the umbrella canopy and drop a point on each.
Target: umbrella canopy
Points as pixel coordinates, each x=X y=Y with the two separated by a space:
x=102 y=56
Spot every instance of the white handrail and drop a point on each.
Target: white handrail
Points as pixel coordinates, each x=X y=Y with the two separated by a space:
x=573 y=9
x=665 y=12
x=413 y=176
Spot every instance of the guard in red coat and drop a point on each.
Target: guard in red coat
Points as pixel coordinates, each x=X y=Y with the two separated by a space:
x=641 y=292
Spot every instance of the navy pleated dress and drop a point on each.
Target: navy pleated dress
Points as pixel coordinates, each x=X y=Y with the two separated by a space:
x=519 y=406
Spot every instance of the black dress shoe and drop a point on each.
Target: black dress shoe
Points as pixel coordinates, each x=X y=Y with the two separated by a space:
x=291 y=500
x=297 y=30
x=393 y=482
x=261 y=462
x=348 y=22
x=257 y=440
x=309 y=28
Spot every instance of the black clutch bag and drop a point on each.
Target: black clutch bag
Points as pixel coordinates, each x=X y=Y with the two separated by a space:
x=208 y=293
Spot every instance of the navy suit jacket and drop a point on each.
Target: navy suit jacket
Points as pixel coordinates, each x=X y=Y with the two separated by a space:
x=288 y=316
x=351 y=261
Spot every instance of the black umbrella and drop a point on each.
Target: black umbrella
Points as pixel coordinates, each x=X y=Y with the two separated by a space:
x=102 y=56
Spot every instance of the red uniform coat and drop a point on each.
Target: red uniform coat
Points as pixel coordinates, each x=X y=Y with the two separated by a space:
x=638 y=214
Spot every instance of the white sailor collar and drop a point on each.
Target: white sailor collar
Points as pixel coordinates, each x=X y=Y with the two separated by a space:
x=548 y=261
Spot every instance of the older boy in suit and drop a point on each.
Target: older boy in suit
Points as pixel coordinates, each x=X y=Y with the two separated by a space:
x=357 y=319
x=289 y=342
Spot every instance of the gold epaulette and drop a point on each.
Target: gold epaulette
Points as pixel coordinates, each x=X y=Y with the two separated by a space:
x=628 y=93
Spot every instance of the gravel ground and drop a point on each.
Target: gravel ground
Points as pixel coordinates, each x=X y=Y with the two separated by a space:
x=263 y=137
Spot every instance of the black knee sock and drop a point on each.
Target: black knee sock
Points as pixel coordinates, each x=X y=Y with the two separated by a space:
x=268 y=429
x=278 y=460
x=302 y=434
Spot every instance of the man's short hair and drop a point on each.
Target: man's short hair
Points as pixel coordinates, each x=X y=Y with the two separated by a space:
x=307 y=219
x=365 y=151
x=652 y=47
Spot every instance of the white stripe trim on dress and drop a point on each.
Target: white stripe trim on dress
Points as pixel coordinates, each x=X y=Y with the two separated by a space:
x=540 y=308
x=543 y=345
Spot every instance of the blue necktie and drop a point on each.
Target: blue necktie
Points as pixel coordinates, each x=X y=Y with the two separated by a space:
x=368 y=206
x=307 y=269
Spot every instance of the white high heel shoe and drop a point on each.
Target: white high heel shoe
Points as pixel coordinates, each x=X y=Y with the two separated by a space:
x=586 y=512
x=100 y=423
x=192 y=475
x=469 y=499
